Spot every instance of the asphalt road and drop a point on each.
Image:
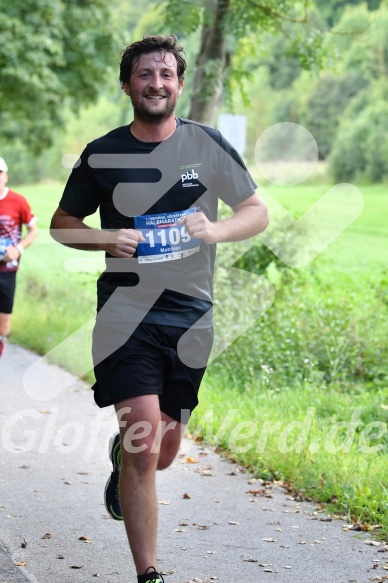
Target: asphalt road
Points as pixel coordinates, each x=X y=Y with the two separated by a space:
x=216 y=522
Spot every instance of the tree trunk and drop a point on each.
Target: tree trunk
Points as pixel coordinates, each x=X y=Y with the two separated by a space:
x=211 y=63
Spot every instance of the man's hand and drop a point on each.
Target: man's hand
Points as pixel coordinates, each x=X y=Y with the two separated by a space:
x=198 y=226
x=11 y=254
x=123 y=243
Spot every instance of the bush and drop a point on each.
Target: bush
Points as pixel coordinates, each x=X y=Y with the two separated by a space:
x=360 y=151
x=315 y=332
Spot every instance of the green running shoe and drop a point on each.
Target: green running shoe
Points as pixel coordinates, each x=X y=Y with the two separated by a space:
x=152 y=577
x=112 y=500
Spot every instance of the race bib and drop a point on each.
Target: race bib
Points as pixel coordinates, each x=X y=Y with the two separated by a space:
x=4 y=243
x=165 y=238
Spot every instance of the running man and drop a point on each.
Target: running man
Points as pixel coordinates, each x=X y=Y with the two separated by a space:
x=14 y=213
x=156 y=183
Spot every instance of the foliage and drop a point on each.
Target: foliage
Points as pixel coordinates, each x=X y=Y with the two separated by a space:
x=243 y=26
x=327 y=445
x=332 y=10
x=360 y=150
x=51 y=53
x=326 y=105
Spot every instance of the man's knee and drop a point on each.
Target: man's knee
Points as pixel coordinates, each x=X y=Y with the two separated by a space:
x=5 y=324
x=140 y=459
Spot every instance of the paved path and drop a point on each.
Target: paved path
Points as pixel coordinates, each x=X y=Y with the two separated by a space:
x=215 y=523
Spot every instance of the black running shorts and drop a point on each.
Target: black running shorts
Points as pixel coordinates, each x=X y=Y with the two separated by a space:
x=148 y=363
x=7 y=291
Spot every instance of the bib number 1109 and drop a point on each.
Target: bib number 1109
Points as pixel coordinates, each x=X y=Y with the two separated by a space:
x=172 y=236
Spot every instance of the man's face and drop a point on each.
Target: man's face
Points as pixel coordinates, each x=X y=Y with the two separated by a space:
x=154 y=86
x=3 y=180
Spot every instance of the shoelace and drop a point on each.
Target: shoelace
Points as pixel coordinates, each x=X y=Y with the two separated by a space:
x=156 y=577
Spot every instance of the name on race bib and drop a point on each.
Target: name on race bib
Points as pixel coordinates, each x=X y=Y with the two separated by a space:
x=165 y=237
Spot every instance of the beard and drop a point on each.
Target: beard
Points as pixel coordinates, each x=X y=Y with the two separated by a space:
x=142 y=112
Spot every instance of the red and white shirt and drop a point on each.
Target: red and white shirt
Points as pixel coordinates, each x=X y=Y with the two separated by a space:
x=14 y=212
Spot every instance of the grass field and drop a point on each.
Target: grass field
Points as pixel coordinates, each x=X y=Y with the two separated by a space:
x=303 y=395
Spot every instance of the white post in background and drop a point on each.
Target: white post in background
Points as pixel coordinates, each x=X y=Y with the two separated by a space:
x=234 y=129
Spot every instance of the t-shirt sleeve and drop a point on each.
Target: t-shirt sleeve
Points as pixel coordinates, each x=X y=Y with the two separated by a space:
x=27 y=217
x=234 y=183
x=80 y=198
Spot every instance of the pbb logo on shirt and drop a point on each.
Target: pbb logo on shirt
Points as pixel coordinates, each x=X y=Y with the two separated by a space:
x=188 y=176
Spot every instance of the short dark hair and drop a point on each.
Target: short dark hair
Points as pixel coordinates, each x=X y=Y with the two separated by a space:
x=131 y=55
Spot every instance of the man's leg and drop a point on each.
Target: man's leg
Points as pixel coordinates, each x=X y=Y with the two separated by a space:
x=145 y=447
x=5 y=328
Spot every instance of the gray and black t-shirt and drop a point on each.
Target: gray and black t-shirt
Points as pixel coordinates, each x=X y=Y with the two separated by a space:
x=149 y=186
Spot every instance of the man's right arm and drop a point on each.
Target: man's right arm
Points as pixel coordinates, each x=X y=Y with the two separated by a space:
x=73 y=232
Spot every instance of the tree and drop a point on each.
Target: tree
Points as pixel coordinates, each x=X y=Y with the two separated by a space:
x=332 y=10
x=360 y=150
x=51 y=53
x=327 y=103
x=229 y=30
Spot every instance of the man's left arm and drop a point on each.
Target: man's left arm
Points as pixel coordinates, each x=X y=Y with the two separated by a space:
x=249 y=218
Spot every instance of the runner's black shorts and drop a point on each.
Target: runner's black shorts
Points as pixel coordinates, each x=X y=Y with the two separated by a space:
x=149 y=363
x=7 y=291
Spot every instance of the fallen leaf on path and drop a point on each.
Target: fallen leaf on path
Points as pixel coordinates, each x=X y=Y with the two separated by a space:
x=85 y=539
x=76 y=566
x=373 y=543
x=186 y=496
x=268 y=539
x=361 y=526
x=164 y=502
x=233 y=522
x=263 y=492
x=47 y=535
x=20 y=564
x=205 y=471
x=191 y=460
x=383 y=549
x=24 y=544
